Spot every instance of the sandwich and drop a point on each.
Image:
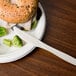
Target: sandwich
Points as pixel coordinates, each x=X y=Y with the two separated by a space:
x=21 y=12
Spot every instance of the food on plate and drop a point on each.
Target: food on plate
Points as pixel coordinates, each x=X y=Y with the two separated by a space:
x=22 y=12
x=17 y=42
x=3 y=31
x=17 y=12
x=7 y=42
x=33 y=25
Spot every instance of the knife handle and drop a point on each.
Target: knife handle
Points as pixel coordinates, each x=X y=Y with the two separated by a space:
x=56 y=52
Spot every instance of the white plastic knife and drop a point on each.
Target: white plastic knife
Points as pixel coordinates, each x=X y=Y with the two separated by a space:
x=37 y=43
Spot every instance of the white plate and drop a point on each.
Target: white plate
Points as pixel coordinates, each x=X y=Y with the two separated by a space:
x=12 y=54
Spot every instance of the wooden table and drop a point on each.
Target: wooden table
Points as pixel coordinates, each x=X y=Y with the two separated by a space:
x=60 y=33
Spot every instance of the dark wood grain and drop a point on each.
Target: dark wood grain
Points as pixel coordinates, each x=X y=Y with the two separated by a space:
x=60 y=33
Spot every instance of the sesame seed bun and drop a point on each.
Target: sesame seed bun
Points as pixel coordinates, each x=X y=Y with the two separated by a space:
x=20 y=12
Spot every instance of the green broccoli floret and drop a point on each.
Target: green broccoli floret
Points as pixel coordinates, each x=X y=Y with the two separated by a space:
x=7 y=42
x=3 y=31
x=17 y=42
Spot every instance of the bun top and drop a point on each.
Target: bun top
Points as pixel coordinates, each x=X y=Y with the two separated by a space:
x=19 y=12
